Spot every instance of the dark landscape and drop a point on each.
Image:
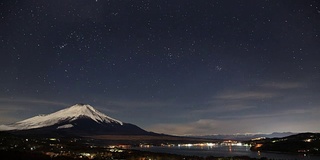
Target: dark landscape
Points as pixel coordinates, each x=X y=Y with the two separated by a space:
x=23 y=147
x=120 y=147
x=89 y=134
x=160 y=79
x=299 y=143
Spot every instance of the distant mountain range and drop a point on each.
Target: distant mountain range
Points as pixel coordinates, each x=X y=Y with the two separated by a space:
x=244 y=137
x=84 y=121
x=79 y=120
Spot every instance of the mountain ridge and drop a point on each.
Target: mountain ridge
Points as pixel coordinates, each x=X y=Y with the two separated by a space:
x=68 y=114
x=246 y=136
x=78 y=119
x=307 y=142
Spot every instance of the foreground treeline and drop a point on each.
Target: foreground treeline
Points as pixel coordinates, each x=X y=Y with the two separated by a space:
x=14 y=147
x=131 y=155
x=308 y=143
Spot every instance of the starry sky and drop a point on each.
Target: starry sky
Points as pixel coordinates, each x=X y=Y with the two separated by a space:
x=183 y=67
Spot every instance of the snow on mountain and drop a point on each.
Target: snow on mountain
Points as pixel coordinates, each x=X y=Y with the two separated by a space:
x=69 y=114
x=65 y=126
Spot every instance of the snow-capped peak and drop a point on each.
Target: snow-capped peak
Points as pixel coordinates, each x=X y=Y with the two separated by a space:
x=69 y=114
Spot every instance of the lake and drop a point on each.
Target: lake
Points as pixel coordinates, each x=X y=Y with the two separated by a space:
x=224 y=151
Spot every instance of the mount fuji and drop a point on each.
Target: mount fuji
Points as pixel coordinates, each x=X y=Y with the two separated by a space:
x=79 y=119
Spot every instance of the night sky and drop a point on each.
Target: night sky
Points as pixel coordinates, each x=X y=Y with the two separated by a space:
x=170 y=66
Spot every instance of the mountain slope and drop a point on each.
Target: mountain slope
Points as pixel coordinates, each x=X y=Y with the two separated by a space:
x=69 y=114
x=299 y=143
x=79 y=119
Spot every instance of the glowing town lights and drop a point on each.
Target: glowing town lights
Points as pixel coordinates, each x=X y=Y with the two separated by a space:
x=197 y=145
x=201 y=145
x=210 y=144
x=258 y=145
x=189 y=145
x=86 y=154
x=145 y=146
x=308 y=140
x=247 y=145
x=238 y=144
x=259 y=138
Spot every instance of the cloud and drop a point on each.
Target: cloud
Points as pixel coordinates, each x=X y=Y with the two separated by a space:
x=193 y=128
x=302 y=110
x=7 y=113
x=266 y=90
x=254 y=123
x=249 y=95
x=221 y=108
x=12 y=110
x=269 y=94
x=235 y=101
x=33 y=101
x=136 y=104
x=283 y=85
x=6 y=119
x=209 y=127
x=267 y=107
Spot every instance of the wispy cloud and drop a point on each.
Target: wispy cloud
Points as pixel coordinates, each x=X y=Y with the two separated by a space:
x=283 y=85
x=206 y=127
x=33 y=101
x=245 y=95
x=136 y=104
x=263 y=91
x=193 y=128
x=5 y=119
x=236 y=100
x=13 y=110
x=276 y=114
x=221 y=108
x=267 y=100
x=227 y=124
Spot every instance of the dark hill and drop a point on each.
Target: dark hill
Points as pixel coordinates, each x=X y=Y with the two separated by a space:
x=299 y=143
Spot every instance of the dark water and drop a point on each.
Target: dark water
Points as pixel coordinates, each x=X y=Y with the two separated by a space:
x=227 y=151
